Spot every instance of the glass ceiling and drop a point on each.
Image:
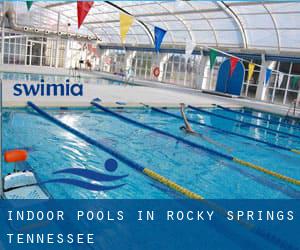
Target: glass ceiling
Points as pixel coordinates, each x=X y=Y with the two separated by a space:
x=251 y=25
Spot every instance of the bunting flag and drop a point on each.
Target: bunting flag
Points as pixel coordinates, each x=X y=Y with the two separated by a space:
x=125 y=23
x=280 y=79
x=189 y=48
x=159 y=35
x=251 y=67
x=29 y=4
x=212 y=57
x=233 y=63
x=268 y=76
x=295 y=80
x=83 y=8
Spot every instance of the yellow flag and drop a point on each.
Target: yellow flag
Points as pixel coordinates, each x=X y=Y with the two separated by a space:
x=125 y=23
x=250 y=71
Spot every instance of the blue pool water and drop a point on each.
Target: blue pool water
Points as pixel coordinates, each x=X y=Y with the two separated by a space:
x=57 y=79
x=51 y=149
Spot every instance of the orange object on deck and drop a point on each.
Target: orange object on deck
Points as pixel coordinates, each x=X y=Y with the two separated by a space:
x=15 y=155
x=156 y=71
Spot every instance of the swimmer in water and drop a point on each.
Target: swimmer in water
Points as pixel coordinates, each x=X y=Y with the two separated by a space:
x=188 y=129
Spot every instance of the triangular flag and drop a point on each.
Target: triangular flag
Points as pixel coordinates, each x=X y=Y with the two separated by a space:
x=233 y=63
x=159 y=35
x=29 y=4
x=251 y=67
x=295 y=80
x=83 y=8
x=125 y=23
x=189 y=48
x=268 y=75
x=280 y=79
x=212 y=57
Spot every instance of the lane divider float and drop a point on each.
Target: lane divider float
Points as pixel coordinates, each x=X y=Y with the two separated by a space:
x=296 y=151
x=267 y=171
x=172 y=185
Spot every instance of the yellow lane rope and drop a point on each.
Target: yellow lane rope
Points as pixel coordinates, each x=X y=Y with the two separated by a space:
x=172 y=184
x=296 y=151
x=193 y=195
x=266 y=171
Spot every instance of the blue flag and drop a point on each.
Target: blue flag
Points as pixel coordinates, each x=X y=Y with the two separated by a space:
x=268 y=75
x=159 y=34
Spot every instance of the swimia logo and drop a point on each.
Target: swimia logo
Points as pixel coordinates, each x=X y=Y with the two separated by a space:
x=48 y=89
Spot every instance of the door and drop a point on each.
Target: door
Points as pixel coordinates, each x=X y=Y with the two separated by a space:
x=34 y=52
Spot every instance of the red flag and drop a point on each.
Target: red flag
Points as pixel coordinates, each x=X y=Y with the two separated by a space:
x=83 y=9
x=233 y=62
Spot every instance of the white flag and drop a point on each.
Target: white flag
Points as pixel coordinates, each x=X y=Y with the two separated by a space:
x=280 y=79
x=189 y=48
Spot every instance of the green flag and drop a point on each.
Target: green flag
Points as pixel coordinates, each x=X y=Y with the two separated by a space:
x=295 y=80
x=212 y=56
x=29 y=4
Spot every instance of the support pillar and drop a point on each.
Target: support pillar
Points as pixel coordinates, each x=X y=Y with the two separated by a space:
x=261 y=91
x=57 y=42
x=204 y=74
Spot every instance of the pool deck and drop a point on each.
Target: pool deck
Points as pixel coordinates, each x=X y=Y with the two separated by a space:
x=146 y=92
x=110 y=94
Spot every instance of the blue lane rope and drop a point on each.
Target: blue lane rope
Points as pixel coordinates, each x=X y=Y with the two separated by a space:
x=145 y=126
x=84 y=137
x=248 y=123
x=136 y=166
x=195 y=145
x=221 y=130
x=257 y=117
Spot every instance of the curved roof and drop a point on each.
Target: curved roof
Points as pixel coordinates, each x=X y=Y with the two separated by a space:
x=266 y=25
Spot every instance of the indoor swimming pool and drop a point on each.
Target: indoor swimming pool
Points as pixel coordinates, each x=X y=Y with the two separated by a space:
x=52 y=148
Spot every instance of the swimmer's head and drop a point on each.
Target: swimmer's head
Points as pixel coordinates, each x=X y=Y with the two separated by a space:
x=182 y=105
x=182 y=128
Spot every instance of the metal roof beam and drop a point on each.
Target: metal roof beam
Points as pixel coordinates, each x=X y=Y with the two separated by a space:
x=58 y=4
x=236 y=19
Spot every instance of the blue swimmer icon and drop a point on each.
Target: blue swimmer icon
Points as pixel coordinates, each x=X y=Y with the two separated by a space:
x=110 y=165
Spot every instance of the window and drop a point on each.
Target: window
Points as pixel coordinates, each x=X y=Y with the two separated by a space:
x=250 y=87
x=23 y=49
